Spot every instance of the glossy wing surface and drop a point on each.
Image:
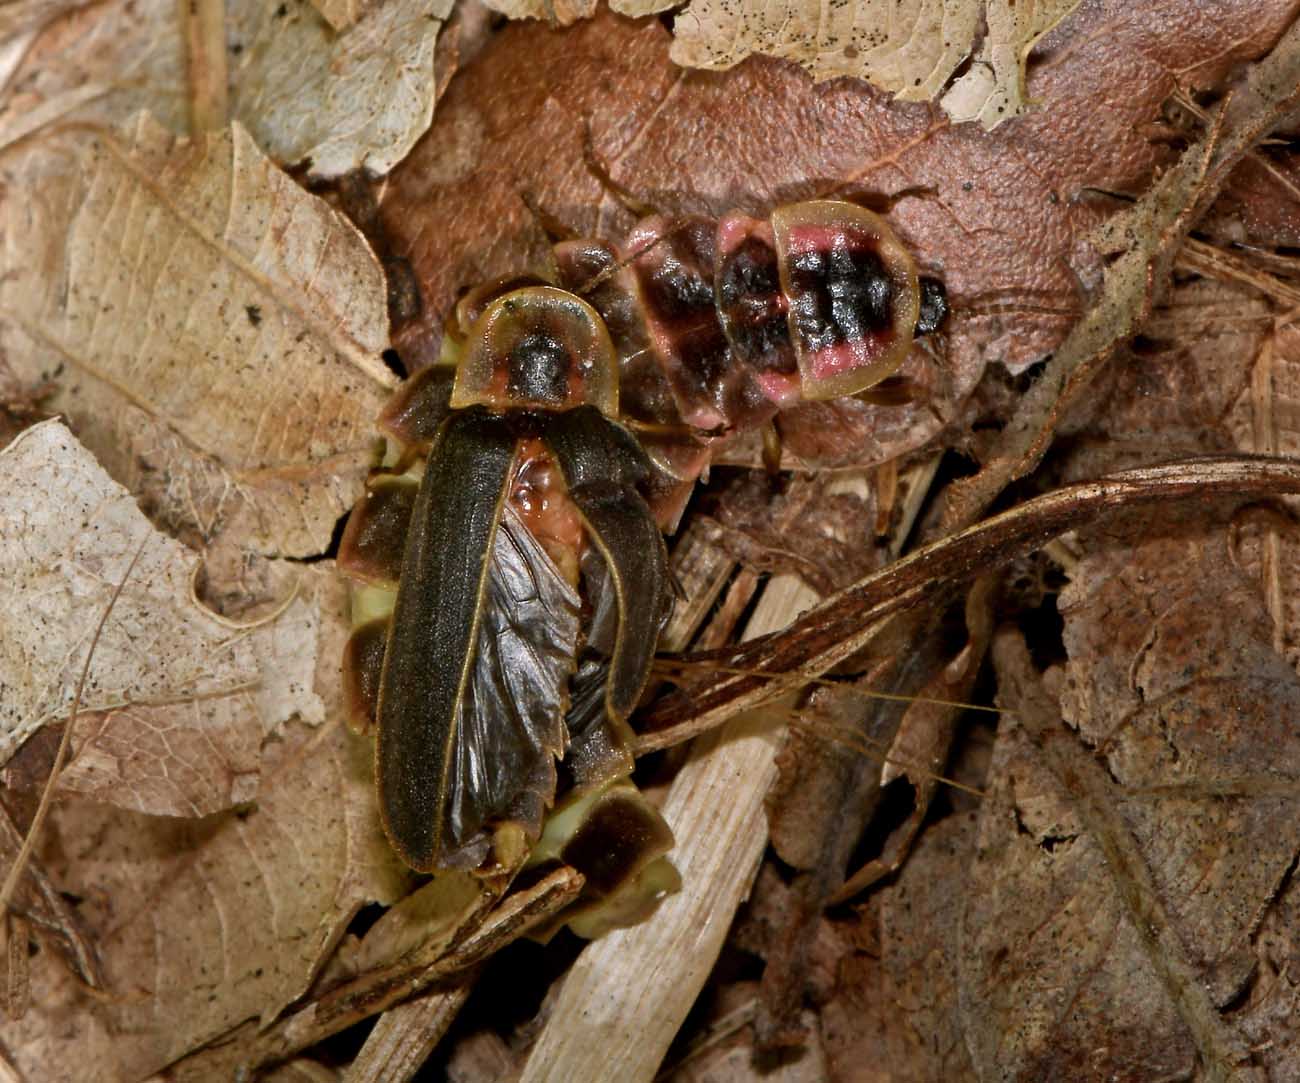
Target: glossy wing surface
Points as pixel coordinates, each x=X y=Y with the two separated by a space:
x=477 y=660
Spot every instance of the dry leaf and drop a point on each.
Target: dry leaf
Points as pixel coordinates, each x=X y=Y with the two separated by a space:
x=1173 y=679
x=179 y=704
x=897 y=989
x=836 y=539
x=1087 y=916
x=204 y=924
x=993 y=89
x=81 y=62
x=910 y=48
x=212 y=331
x=340 y=102
x=346 y=88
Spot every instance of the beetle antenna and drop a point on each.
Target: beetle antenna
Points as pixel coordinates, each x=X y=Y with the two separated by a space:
x=624 y=195
x=555 y=230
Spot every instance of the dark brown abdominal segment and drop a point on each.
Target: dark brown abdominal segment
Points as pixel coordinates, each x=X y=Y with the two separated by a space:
x=672 y=263
x=363 y=663
x=621 y=834
x=416 y=410
x=371 y=547
x=752 y=307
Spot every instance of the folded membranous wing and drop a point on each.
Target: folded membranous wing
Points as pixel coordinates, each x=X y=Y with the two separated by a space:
x=602 y=464
x=479 y=655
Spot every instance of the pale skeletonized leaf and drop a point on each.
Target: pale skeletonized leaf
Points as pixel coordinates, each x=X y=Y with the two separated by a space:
x=100 y=62
x=341 y=14
x=345 y=84
x=908 y=47
x=993 y=90
x=182 y=704
x=205 y=924
x=212 y=331
x=558 y=12
x=356 y=100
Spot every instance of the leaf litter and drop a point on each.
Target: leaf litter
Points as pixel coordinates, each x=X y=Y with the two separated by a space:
x=1113 y=780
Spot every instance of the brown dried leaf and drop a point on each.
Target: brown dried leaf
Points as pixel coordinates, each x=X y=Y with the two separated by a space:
x=338 y=101
x=204 y=924
x=1174 y=681
x=213 y=332
x=832 y=544
x=340 y=95
x=180 y=704
x=1121 y=873
x=896 y=997
x=910 y=48
x=1142 y=241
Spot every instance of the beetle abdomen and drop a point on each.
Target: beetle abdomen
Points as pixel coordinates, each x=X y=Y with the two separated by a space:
x=744 y=316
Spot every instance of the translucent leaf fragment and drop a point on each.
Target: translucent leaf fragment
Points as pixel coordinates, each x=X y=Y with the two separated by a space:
x=183 y=702
x=343 y=101
x=908 y=47
x=993 y=90
x=212 y=330
x=559 y=12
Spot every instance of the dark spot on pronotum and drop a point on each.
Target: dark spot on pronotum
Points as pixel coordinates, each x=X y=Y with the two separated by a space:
x=538 y=369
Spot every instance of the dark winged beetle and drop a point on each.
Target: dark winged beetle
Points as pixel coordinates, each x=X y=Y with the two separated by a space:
x=574 y=412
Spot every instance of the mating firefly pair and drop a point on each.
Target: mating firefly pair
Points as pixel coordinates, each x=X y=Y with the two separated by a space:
x=531 y=576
